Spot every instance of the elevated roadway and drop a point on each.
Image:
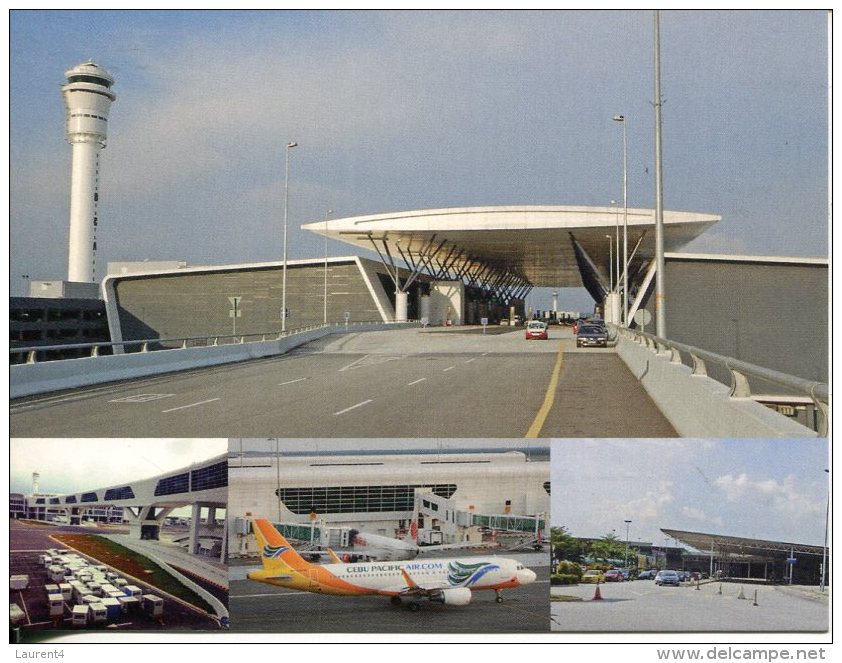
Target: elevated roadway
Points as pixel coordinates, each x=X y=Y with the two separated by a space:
x=437 y=382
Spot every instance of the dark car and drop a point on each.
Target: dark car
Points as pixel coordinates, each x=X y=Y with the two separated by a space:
x=591 y=335
x=647 y=575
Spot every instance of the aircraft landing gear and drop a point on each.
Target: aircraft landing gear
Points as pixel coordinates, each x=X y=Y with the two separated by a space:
x=395 y=601
x=499 y=598
x=414 y=606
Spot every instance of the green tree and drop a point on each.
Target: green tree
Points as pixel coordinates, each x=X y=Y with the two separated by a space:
x=608 y=549
x=564 y=545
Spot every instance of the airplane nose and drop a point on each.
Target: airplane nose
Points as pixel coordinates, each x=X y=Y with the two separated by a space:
x=526 y=576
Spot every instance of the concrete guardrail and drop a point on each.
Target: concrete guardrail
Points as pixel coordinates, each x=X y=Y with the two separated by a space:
x=697 y=405
x=43 y=377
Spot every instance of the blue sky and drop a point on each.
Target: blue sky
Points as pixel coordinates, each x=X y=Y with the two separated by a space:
x=759 y=488
x=396 y=111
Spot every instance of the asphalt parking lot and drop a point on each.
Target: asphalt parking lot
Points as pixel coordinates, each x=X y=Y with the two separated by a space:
x=642 y=606
x=28 y=541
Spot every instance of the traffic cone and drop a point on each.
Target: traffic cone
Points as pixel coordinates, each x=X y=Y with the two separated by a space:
x=741 y=594
x=597 y=595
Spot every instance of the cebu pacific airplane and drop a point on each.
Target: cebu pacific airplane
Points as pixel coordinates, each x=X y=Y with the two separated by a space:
x=448 y=581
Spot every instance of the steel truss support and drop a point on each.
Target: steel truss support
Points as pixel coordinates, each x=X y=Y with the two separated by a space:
x=443 y=260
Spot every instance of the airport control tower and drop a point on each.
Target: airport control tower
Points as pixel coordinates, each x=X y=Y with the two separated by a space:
x=87 y=98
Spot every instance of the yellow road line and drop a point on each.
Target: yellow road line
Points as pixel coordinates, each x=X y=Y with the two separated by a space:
x=549 y=397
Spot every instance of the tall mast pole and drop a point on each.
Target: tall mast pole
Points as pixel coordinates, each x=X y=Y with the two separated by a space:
x=660 y=296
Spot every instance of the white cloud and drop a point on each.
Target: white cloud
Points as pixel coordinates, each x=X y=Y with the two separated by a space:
x=786 y=496
x=700 y=516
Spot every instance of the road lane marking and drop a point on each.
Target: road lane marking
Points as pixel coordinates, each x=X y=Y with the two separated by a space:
x=293 y=381
x=140 y=398
x=470 y=360
x=549 y=397
x=416 y=381
x=183 y=407
x=353 y=407
x=353 y=363
x=449 y=368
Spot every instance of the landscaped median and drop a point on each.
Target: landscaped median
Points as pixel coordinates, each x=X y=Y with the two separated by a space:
x=133 y=564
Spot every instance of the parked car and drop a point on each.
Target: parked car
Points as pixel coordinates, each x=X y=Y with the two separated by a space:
x=591 y=335
x=647 y=575
x=627 y=574
x=614 y=575
x=667 y=577
x=593 y=576
x=536 y=329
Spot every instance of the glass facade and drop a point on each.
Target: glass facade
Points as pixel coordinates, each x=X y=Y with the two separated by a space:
x=124 y=493
x=356 y=499
x=213 y=476
x=180 y=483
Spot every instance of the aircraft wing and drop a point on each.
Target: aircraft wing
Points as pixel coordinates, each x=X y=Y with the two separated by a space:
x=411 y=588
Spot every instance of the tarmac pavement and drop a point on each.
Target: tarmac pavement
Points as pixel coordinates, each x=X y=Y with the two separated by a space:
x=642 y=606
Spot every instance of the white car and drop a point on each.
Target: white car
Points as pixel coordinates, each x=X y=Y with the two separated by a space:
x=667 y=577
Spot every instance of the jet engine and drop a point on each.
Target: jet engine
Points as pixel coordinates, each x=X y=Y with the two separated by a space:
x=455 y=596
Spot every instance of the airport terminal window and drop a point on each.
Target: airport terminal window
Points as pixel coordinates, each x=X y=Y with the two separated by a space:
x=89 y=497
x=70 y=499
x=57 y=315
x=180 y=483
x=213 y=476
x=124 y=493
x=356 y=499
x=40 y=500
x=26 y=314
x=55 y=500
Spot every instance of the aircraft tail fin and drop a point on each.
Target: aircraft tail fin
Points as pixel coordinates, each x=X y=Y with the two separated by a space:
x=275 y=551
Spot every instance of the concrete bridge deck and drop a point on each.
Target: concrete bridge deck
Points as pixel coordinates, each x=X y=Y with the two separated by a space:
x=437 y=382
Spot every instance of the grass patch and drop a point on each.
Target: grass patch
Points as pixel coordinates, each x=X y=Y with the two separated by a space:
x=133 y=564
x=565 y=598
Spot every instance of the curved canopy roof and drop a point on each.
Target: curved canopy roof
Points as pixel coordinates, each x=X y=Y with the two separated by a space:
x=543 y=245
x=735 y=545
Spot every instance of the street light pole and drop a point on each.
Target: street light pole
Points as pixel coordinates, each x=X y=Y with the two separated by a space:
x=824 y=550
x=327 y=214
x=660 y=294
x=610 y=264
x=617 y=245
x=289 y=146
x=622 y=120
x=626 y=556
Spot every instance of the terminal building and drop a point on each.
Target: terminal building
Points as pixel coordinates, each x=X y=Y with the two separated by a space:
x=462 y=266
x=454 y=495
x=754 y=560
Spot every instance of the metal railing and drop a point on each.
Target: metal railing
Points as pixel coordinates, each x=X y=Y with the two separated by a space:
x=95 y=349
x=739 y=371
